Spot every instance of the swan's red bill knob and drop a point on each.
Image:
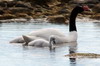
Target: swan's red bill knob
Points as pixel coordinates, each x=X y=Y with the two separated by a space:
x=86 y=8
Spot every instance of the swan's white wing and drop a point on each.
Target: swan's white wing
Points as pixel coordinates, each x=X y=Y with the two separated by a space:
x=46 y=33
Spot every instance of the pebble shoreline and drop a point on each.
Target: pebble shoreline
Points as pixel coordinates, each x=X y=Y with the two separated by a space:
x=20 y=11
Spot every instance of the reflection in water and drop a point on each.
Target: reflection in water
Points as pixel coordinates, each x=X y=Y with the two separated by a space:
x=52 y=50
x=0 y=24
x=25 y=47
x=97 y=24
x=72 y=49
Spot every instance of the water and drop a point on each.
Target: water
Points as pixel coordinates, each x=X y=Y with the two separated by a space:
x=17 y=55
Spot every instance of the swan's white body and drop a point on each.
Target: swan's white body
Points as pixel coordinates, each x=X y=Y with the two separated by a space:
x=72 y=37
x=47 y=33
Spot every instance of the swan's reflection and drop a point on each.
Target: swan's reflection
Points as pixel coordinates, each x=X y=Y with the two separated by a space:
x=96 y=24
x=72 y=49
x=0 y=24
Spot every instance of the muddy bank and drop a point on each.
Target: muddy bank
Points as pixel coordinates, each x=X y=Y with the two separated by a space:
x=54 y=11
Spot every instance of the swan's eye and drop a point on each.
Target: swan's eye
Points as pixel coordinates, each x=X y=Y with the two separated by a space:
x=86 y=8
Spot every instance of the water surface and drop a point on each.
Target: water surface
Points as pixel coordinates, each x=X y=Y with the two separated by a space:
x=17 y=55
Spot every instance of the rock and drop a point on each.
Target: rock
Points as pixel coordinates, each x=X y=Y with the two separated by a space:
x=88 y=13
x=96 y=8
x=63 y=11
x=13 y=20
x=38 y=10
x=64 y=1
x=3 y=3
x=11 y=3
x=15 y=10
x=92 y=1
x=24 y=5
x=7 y=16
x=97 y=16
x=21 y=15
x=1 y=11
x=91 y=5
x=7 y=3
x=57 y=19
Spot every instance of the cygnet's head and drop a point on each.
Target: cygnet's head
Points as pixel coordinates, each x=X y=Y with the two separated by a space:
x=52 y=42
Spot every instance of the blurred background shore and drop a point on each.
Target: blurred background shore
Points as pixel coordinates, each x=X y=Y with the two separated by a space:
x=53 y=10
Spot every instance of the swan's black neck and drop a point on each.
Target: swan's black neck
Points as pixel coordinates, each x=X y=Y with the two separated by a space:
x=72 y=22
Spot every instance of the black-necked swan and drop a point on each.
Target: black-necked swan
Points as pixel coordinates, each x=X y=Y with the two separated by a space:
x=55 y=33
